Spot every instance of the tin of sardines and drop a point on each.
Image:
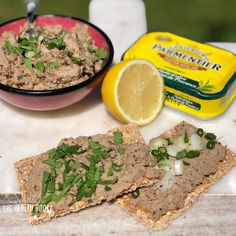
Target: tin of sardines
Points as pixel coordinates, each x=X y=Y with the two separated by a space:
x=199 y=79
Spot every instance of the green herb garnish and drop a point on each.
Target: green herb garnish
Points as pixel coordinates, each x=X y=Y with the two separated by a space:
x=56 y=198
x=211 y=144
x=94 y=145
x=162 y=150
x=181 y=154
x=53 y=163
x=28 y=63
x=40 y=66
x=210 y=136
x=56 y=42
x=193 y=154
x=41 y=206
x=121 y=150
x=76 y=60
x=114 y=168
x=74 y=166
x=186 y=139
x=135 y=194
x=107 y=188
x=69 y=183
x=63 y=150
x=56 y=158
x=200 y=132
x=160 y=154
x=46 y=177
x=53 y=64
x=69 y=150
x=11 y=48
x=62 y=163
x=109 y=181
x=101 y=53
x=118 y=137
x=27 y=44
x=83 y=166
x=110 y=171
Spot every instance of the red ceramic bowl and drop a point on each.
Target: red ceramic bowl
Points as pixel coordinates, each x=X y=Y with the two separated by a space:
x=44 y=100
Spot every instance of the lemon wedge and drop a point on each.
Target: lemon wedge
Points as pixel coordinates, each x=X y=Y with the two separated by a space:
x=133 y=91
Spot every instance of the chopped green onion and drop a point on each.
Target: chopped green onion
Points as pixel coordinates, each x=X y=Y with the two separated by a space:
x=80 y=192
x=60 y=186
x=11 y=48
x=74 y=166
x=98 y=173
x=110 y=171
x=40 y=66
x=28 y=63
x=101 y=53
x=55 y=154
x=160 y=154
x=118 y=137
x=69 y=149
x=56 y=43
x=40 y=207
x=46 y=177
x=69 y=182
x=116 y=167
x=94 y=145
x=181 y=154
x=162 y=150
x=53 y=64
x=121 y=150
x=200 y=132
x=135 y=194
x=193 y=154
x=27 y=44
x=66 y=168
x=53 y=163
x=186 y=139
x=155 y=152
x=90 y=174
x=108 y=182
x=85 y=167
x=108 y=188
x=210 y=136
x=51 y=182
x=76 y=60
x=37 y=54
x=56 y=198
x=211 y=144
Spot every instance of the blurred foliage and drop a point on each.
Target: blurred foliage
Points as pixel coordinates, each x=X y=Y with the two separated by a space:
x=202 y=20
x=10 y=9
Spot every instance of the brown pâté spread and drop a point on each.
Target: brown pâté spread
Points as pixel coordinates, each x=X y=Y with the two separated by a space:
x=158 y=201
x=122 y=166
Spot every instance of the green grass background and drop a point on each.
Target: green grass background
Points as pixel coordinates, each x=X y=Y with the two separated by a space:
x=202 y=20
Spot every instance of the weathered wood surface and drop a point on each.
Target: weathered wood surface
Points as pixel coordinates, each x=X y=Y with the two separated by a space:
x=211 y=215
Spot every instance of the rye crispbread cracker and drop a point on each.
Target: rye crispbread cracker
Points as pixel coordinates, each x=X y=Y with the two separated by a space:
x=144 y=217
x=24 y=168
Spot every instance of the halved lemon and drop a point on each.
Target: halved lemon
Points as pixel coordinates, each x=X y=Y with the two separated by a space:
x=133 y=91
